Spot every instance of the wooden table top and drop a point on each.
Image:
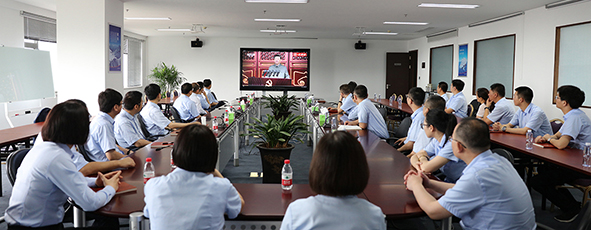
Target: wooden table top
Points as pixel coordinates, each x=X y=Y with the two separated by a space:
x=19 y=134
x=385 y=102
x=168 y=100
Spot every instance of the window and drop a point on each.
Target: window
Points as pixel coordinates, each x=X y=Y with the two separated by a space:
x=493 y=63
x=41 y=34
x=573 y=58
x=441 y=65
x=132 y=62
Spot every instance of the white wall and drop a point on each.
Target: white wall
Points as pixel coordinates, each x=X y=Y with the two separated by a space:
x=12 y=23
x=534 y=50
x=333 y=61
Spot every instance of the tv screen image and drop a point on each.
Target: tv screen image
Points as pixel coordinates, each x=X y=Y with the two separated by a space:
x=274 y=69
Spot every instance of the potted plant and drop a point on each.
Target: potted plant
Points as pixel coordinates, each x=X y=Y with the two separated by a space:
x=275 y=146
x=168 y=78
x=280 y=106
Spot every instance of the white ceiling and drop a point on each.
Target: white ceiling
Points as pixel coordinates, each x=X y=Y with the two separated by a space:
x=320 y=18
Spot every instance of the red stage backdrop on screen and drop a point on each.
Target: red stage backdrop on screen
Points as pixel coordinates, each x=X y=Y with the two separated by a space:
x=275 y=69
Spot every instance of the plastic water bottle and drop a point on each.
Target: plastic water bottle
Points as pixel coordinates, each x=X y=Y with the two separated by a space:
x=379 y=97
x=214 y=124
x=286 y=176
x=172 y=165
x=587 y=155
x=227 y=118
x=148 y=170
x=392 y=100
x=334 y=126
x=529 y=140
x=399 y=102
x=375 y=96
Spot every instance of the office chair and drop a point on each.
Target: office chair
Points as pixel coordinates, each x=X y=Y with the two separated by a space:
x=176 y=117
x=399 y=132
x=42 y=115
x=14 y=161
x=85 y=153
x=145 y=131
x=475 y=105
x=504 y=153
x=556 y=124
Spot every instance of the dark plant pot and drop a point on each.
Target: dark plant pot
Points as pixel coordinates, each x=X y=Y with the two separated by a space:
x=167 y=94
x=280 y=115
x=272 y=160
x=176 y=94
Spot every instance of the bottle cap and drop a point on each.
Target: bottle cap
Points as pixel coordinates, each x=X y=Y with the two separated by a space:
x=149 y=159
x=215 y=117
x=286 y=161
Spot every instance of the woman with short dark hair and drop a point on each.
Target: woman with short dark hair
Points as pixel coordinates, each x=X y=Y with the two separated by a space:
x=338 y=172
x=48 y=176
x=481 y=97
x=195 y=195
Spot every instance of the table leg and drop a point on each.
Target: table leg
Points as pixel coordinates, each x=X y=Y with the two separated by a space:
x=314 y=136
x=79 y=218
x=137 y=221
x=236 y=144
x=446 y=224
x=246 y=128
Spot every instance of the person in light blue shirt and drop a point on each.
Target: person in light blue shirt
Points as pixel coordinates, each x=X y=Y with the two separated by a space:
x=439 y=125
x=207 y=88
x=195 y=195
x=277 y=70
x=433 y=103
x=336 y=206
x=575 y=132
x=186 y=107
x=202 y=97
x=101 y=143
x=47 y=175
x=368 y=115
x=346 y=103
x=528 y=117
x=156 y=122
x=195 y=98
x=489 y=194
x=504 y=110
x=442 y=90
x=127 y=127
x=457 y=103
x=415 y=99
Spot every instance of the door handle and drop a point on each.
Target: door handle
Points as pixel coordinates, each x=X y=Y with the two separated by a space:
x=387 y=86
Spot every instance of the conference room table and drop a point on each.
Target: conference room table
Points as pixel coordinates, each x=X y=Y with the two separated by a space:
x=394 y=105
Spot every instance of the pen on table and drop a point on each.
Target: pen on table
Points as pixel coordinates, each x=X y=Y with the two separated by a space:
x=539 y=145
x=158 y=149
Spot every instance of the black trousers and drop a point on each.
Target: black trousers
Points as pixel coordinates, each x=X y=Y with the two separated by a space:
x=551 y=176
x=59 y=226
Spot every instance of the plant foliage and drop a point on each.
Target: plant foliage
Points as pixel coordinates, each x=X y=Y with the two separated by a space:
x=280 y=104
x=276 y=133
x=168 y=78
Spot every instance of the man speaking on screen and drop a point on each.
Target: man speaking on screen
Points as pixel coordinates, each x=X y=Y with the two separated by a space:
x=277 y=70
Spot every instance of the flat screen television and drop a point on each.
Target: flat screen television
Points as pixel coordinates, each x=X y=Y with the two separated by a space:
x=274 y=69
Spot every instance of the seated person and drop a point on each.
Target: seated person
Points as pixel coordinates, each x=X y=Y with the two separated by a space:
x=489 y=195
x=277 y=70
x=156 y=122
x=575 y=132
x=433 y=103
x=127 y=127
x=415 y=99
x=196 y=91
x=336 y=194
x=213 y=101
x=101 y=144
x=369 y=116
x=442 y=90
x=439 y=126
x=202 y=97
x=195 y=191
x=346 y=103
x=504 y=109
x=528 y=117
x=481 y=97
x=457 y=103
x=187 y=108
x=47 y=175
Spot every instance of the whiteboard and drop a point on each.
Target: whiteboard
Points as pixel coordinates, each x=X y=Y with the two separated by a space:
x=25 y=75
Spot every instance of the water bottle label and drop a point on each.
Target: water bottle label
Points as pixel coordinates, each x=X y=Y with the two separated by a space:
x=146 y=179
x=286 y=182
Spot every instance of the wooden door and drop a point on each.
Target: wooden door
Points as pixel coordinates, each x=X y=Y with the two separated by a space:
x=398 y=77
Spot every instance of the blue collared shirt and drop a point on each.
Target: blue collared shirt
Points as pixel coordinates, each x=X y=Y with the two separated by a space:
x=353 y=115
x=348 y=104
x=534 y=118
x=458 y=104
x=490 y=195
x=101 y=138
x=503 y=112
x=454 y=167
x=77 y=158
x=415 y=127
x=127 y=129
x=203 y=101
x=210 y=96
x=46 y=178
x=576 y=125
x=187 y=108
x=421 y=142
x=369 y=114
x=326 y=212
x=155 y=120
x=445 y=97
x=194 y=200
x=195 y=98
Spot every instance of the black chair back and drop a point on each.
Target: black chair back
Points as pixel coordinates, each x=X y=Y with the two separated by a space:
x=143 y=126
x=402 y=129
x=556 y=124
x=14 y=161
x=214 y=95
x=472 y=111
x=504 y=153
x=42 y=115
x=85 y=153
x=582 y=222
x=176 y=117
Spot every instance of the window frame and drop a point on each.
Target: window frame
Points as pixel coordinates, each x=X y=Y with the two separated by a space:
x=508 y=90
x=451 y=76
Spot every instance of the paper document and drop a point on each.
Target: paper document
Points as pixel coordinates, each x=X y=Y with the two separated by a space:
x=348 y=127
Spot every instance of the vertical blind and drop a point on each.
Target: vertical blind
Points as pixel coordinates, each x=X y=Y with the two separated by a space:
x=39 y=28
x=574 y=58
x=494 y=60
x=132 y=61
x=441 y=65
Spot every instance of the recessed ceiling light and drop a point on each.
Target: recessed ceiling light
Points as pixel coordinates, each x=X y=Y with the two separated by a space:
x=277 y=20
x=438 y=5
x=276 y=1
x=150 y=19
x=379 y=33
x=278 y=31
x=174 y=30
x=407 y=23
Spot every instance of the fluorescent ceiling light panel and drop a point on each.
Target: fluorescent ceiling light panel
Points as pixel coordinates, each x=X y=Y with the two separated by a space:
x=150 y=19
x=278 y=31
x=456 y=6
x=407 y=23
x=174 y=30
x=277 y=20
x=276 y=1
x=379 y=33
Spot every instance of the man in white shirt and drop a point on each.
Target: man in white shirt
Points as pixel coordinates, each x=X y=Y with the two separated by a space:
x=504 y=109
x=156 y=122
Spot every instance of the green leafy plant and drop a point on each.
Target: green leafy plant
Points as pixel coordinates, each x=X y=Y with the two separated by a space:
x=280 y=104
x=276 y=133
x=168 y=78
